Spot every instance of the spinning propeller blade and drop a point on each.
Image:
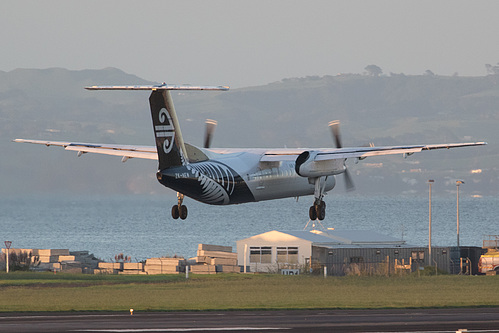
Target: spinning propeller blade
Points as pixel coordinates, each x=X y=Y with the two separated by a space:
x=335 y=130
x=348 y=181
x=210 y=129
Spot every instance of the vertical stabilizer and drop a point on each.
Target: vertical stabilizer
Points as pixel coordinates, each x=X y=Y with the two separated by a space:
x=169 y=141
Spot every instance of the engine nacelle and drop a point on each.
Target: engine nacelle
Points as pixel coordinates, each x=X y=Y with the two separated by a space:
x=306 y=165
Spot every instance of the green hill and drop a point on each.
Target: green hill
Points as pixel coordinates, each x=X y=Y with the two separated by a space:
x=397 y=109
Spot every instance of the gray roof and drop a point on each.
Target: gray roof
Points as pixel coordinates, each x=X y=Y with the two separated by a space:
x=347 y=237
x=363 y=236
x=312 y=237
x=370 y=246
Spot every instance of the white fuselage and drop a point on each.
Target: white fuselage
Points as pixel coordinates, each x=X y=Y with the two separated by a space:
x=268 y=180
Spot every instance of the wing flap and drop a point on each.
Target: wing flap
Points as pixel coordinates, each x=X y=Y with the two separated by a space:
x=363 y=152
x=115 y=152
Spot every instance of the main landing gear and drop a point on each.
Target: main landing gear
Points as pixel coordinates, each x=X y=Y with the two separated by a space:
x=318 y=210
x=179 y=210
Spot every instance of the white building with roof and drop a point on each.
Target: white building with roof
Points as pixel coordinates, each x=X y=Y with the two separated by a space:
x=276 y=250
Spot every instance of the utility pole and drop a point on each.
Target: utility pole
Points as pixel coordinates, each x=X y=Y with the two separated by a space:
x=430 y=182
x=458 y=182
x=7 y=247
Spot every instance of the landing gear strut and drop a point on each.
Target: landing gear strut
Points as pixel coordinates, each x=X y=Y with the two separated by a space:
x=318 y=210
x=179 y=210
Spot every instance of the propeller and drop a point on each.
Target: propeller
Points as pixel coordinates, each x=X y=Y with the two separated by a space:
x=210 y=129
x=348 y=181
x=335 y=130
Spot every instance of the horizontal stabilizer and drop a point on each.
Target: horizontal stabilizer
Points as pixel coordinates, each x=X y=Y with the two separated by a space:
x=158 y=87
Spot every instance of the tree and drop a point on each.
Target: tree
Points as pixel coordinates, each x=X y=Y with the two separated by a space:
x=373 y=70
x=492 y=69
x=20 y=261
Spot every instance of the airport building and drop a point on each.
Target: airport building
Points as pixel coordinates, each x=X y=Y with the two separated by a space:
x=346 y=252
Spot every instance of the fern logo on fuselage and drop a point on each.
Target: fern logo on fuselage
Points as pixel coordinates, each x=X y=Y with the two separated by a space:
x=166 y=131
x=216 y=179
x=210 y=182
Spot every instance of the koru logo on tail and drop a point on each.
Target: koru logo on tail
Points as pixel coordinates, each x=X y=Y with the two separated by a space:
x=166 y=131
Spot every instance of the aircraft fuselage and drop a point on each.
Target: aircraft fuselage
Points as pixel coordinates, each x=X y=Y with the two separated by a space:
x=238 y=178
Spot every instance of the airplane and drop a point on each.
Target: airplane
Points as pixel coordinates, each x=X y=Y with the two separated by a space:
x=223 y=176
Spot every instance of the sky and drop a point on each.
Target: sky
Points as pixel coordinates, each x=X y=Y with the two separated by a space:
x=248 y=43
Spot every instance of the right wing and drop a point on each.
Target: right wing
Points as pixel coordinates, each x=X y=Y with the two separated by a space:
x=125 y=151
x=331 y=161
x=326 y=154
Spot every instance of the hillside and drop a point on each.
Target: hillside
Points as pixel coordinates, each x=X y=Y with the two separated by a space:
x=397 y=109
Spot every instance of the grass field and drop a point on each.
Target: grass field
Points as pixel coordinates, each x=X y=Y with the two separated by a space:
x=77 y=292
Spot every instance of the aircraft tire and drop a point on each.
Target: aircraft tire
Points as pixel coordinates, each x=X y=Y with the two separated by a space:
x=312 y=212
x=321 y=211
x=175 y=212
x=183 y=212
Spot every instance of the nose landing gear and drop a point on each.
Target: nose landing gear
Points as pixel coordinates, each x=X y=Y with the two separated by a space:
x=179 y=210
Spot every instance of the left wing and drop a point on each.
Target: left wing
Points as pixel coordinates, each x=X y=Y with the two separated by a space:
x=125 y=151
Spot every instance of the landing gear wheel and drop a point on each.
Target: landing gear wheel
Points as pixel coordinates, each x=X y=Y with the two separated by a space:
x=183 y=212
x=176 y=213
x=179 y=210
x=312 y=212
x=321 y=211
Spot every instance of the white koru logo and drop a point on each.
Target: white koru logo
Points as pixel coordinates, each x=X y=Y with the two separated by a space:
x=165 y=131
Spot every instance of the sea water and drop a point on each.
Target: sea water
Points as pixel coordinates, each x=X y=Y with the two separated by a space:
x=141 y=226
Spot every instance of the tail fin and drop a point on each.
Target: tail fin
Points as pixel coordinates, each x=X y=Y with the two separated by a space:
x=169 y=141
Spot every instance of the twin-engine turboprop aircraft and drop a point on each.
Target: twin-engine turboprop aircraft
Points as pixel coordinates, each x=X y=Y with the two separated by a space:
x=233 y=176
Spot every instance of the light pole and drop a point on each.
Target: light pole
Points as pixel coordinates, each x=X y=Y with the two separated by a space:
x=458 y=182
x=430 y=182
x=7 y=247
